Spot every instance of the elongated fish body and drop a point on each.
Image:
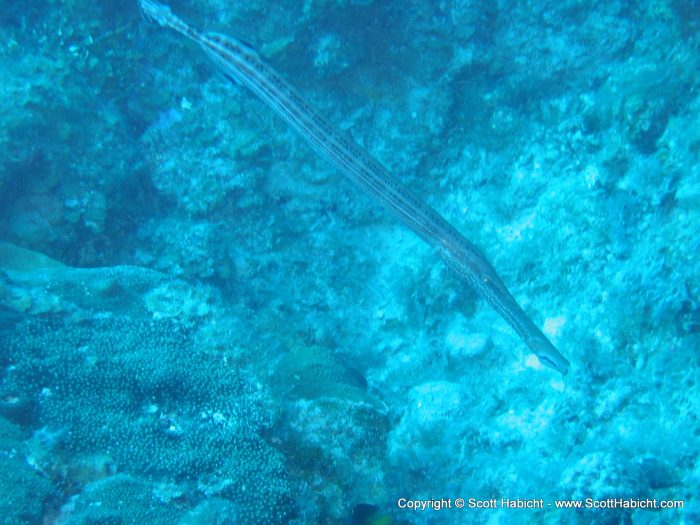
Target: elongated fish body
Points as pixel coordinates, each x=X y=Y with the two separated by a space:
x=244 y=65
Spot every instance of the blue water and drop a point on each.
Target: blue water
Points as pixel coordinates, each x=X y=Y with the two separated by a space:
x=201 y=321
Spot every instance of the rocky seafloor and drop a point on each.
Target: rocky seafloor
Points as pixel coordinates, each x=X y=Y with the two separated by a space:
x=201 y=321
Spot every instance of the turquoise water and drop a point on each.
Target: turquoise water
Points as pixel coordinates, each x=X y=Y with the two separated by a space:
x=202 y=321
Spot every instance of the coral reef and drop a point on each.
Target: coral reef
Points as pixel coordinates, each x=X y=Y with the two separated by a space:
x=135 y=395
x=203 y=315
x=26 y=496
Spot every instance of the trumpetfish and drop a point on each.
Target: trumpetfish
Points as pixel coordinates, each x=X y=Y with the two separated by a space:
x=241 y=63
